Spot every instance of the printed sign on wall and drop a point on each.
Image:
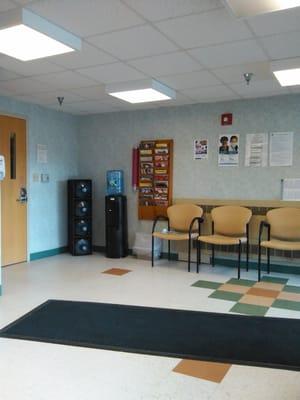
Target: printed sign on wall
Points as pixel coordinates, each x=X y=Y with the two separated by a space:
x=228 y=150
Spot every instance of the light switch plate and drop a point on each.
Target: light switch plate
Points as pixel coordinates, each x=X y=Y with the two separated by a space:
x=45 y=178
x=35 y=177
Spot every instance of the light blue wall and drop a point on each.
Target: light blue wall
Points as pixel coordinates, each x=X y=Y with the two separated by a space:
x=47 y=202
x=106 y=141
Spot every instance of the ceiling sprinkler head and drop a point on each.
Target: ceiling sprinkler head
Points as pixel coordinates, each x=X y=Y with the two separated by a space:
x=248 y=76
x=60 y=100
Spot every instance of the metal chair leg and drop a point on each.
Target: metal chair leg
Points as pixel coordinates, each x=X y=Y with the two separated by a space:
x=239 y=261
x=247 y=260
x=189 y=256
x=268 y=260
x=213 y=255
x=152 y=252
x=169 y=250
x=198 y=254
x=259 y=263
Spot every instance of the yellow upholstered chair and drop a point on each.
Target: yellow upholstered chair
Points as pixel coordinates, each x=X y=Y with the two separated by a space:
x=283 y=226
x=183 y=224
x=230 y=226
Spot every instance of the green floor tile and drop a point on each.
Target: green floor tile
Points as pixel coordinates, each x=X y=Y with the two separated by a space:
x=242 y=282
x=287 y=304
x=249 y=309
x=291 y=289
x=207 y=284
x=272 y=279
x=223 y=295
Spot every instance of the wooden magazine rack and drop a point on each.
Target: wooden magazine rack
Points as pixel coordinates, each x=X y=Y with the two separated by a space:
x=155 y=177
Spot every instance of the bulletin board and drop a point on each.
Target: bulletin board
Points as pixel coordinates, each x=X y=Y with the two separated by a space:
x=155 y=178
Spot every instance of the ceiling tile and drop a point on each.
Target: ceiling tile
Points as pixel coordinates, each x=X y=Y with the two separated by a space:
x=276 y=22
x=190 y=80
x=180 y=100
x=27 y=99
x=95 y=92
x=156 y=10
x=166 y=64
x=6 y=92
x=5 y=75
x=295 y=89
x=28 y=68
x=285 y=45
x=23 y=2
x=6 y=5
x=234 y=74
x=229 y=54
x=87 y=57
x=91 y=107
x=65 y=80
x=51 y=97
x=140 y=41
x=258 y=89
x=87 y=17
x=110 y=73
x=205 y=29
x=216 y=93
x=25 y=86
x=134 y=107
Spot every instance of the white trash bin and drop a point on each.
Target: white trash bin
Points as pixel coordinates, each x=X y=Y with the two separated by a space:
x=142 y=246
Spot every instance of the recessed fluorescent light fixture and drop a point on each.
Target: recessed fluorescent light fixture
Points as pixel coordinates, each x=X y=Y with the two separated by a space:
x=145 y=91
x=287 y=72
x=249 y=8
x=27 y=36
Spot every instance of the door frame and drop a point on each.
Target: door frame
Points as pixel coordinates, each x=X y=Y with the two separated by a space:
x=5 y=113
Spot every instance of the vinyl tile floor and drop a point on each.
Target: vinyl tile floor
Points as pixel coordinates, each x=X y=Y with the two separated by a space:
x=41 y=371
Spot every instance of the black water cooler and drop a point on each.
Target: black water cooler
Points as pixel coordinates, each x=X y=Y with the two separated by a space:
x=116 y=226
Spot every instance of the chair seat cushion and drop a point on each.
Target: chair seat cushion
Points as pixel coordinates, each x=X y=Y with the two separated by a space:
x=174 y=235
x=281 y=244
x=222 y=240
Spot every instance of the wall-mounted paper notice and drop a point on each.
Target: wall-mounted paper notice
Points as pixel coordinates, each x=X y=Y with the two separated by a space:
x=281 y=149
x=256 y=150
x=291 y=189
x=42 y=154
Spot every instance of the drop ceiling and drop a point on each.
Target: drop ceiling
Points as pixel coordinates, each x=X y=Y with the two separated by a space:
x=197 y=47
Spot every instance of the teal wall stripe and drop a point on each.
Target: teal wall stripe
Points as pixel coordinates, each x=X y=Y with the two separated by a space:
x=48 y=253
x=283 y=268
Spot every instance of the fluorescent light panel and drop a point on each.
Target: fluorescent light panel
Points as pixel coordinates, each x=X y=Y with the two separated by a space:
x=287 y=71
x=141 y=91
x=288 y=77
x=249 y=8
x=26 y=36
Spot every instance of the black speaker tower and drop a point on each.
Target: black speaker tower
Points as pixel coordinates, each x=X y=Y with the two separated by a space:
x=116 y=226
x=80 y=216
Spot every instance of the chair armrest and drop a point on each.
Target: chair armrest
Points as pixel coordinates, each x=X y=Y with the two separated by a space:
x=160 y=218
x=200 y=220
x=263 y=224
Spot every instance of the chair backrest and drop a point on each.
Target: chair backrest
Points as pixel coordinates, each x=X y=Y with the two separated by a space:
x=231 y=220
x=285 y=223
x=181 y=216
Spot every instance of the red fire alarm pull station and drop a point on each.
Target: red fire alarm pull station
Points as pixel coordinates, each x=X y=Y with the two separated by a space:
x=226 y=119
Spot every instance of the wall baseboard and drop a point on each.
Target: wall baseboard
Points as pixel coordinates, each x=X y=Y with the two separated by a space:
x=48 y=253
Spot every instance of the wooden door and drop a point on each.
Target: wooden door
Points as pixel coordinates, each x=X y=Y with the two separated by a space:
x=13 y=190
